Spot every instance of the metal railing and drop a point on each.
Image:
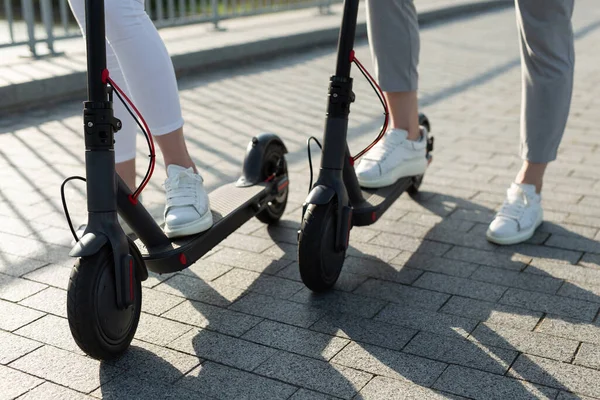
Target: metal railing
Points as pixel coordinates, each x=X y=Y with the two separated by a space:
x=30 y=22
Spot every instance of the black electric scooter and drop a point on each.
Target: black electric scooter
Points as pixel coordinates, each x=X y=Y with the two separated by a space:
x=104 y=293
x=336 y=202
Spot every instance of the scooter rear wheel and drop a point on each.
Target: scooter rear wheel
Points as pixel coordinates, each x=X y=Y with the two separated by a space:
x=274 y=163
x=319 y=261
x=99 y=327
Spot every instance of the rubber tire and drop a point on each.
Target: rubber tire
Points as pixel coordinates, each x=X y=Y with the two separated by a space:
x=320 y=265
x=272 y=213
x=82 y=310
x=413 y=189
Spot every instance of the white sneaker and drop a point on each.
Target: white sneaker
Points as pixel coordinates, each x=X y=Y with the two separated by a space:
x=187 y=210
x=392 y=158
x=519 y=217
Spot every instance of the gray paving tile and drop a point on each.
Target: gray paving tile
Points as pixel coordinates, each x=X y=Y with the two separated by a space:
x=50 y=300
x=550 y=304
x=197 y=289
x=156 y=303
x=482 y=385
x=527 y=342
x=460 y=286
x=381 y=270
x=436 y=264
x=51 y=391
x=248 y=260
x=222 y=382
x=555 y=374
x=284 y=251
x=462 y=352
x=566 y=271
x=346 y=282
x=364 y=330
x=390 y=363
x=277 y=233
x=372 y=251
x=588 y=356
x=14 y=316
x=382 y=388
x=247 y=242
x=471 y=239
x=313 y=374
x=206 y=270
x=222 y=349
x=51 y=330
x=264 y=284
x=304 y=394
x=152 y=362
x=17 y=266
x=52 y=275
x=581 y=291
x=129 y=387
x=65 y=368
x=155 y=279
x=572 y=396
x=401 y=294
x=14 y=383
x=534 y=251
x=213 y=318
x=518 y=280
x=159 y=331
x=430 y=321
x=590 y=261
x=296 y=340
x=574 y=243
x=492 y=313
x=492 y=259
x=14 y=346
x=16 y=289
x=570 y=329
x=340 y=302
x=407 y=243
x=285 y=311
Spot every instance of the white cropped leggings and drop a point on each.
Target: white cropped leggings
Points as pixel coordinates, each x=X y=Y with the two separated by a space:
x=139 y=63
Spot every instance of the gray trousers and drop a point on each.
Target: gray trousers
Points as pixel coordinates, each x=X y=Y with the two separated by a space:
x=547 y=55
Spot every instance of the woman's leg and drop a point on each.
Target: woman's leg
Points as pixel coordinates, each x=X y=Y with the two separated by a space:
x=548 y=60
x=393 y=30
x=125 y=139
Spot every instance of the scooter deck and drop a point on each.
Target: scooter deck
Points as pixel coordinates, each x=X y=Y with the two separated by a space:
x=231 y=207
x=377 y=201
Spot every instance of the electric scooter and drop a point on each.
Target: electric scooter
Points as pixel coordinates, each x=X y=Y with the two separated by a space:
x=336 y=202
x=104 y=292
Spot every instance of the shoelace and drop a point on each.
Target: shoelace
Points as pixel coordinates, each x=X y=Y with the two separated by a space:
x=176 y=187
x=514 y=205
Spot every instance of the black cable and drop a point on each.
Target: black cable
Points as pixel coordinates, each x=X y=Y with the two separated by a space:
x=146 y=135
x=64 y=203
x=372 y=84
x=310 y=159
x=363 y=72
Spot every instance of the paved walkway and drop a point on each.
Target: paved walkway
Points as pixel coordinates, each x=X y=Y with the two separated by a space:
x=425 y=308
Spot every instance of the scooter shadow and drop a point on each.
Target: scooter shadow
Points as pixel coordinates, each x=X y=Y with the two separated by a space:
x=377 y=319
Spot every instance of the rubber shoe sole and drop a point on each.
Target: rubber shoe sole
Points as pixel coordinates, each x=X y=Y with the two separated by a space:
x=202 y=224
x=414 y=167
x=518 y=238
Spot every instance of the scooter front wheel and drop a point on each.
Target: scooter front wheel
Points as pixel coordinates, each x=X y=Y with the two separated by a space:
x=100 y=328
x=319 y=261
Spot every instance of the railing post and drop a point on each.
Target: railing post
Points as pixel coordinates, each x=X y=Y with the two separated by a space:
x=9 y=19
x=215 y=14
x=47 y=19
x=27 y=6
x=325 y=7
